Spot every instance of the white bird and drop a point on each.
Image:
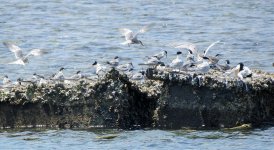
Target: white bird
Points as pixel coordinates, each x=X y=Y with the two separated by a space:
x=244 y=71
x=161 y=67
x=125 y=67
x=37 y=77
x=177 y=62
x=203 y=67
x=20 y=58
x=114 y=62
x=40 y=80
x=211 y=45
x=77 y=76
x=200 y=56
x=21 y=82
x=130 y=37
x=100 y=69
x=138 y=75
x=224 y=67
x=59 y=75
x=190 y=57
x=194 y=49
x=72 y=80
x=152 y=61
x=6 y=81
x=161 y=55
x=186 y=45
x=213 y=60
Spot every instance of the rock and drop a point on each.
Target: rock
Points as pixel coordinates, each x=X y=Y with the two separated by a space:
x=163 y=100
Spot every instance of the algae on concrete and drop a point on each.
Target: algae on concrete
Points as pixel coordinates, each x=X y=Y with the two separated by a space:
x=163 y=100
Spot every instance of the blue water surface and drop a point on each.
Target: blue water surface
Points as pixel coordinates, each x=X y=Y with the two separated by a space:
x=140 y=139
x=76 y=33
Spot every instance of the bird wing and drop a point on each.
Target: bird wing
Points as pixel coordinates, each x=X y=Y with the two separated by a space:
x=15 y=49
x=35 y=52
x=18 y=62
x=185 y=45
x=127 y=33
x=212 y=44
x=144 y=29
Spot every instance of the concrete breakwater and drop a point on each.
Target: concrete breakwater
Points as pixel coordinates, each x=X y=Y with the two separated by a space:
x=163 y=100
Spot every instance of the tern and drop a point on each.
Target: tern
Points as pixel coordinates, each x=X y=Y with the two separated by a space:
x=59 y=75
x=224 y=67
x=6 y=81
x=21 y=82
x=177 y=62
x=22 y=59
x=72 y=80
x=244 y=71
x=130 y=37
x=100 y=69
x=114 y=62
x=193 y=48
x=161 y=67
x=204 y=66
x=77 y=76
x=125 y=67
x=161 y=55
x=40 y=80
x=152 y=61
x=214 y=60
x=190 y=57
x=138 y=76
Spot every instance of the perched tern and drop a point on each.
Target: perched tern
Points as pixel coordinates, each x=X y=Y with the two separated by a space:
x=138 y=75
x=125 y=67
x=40 y=80
x=161 y=67
x=190 y=57
x=21 y=82
x=6 y=81
x=177 y=62
x=244 y=71
x=152 y=61
x=72 y=80
x=224 y=67
x=204 y=66
x=214 y=60
x=59 y=75
x=114 y=62
x=100 y=69
x=75 y=77
x=161 y=55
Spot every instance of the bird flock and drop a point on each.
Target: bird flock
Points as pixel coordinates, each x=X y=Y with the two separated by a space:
x=194 y=62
